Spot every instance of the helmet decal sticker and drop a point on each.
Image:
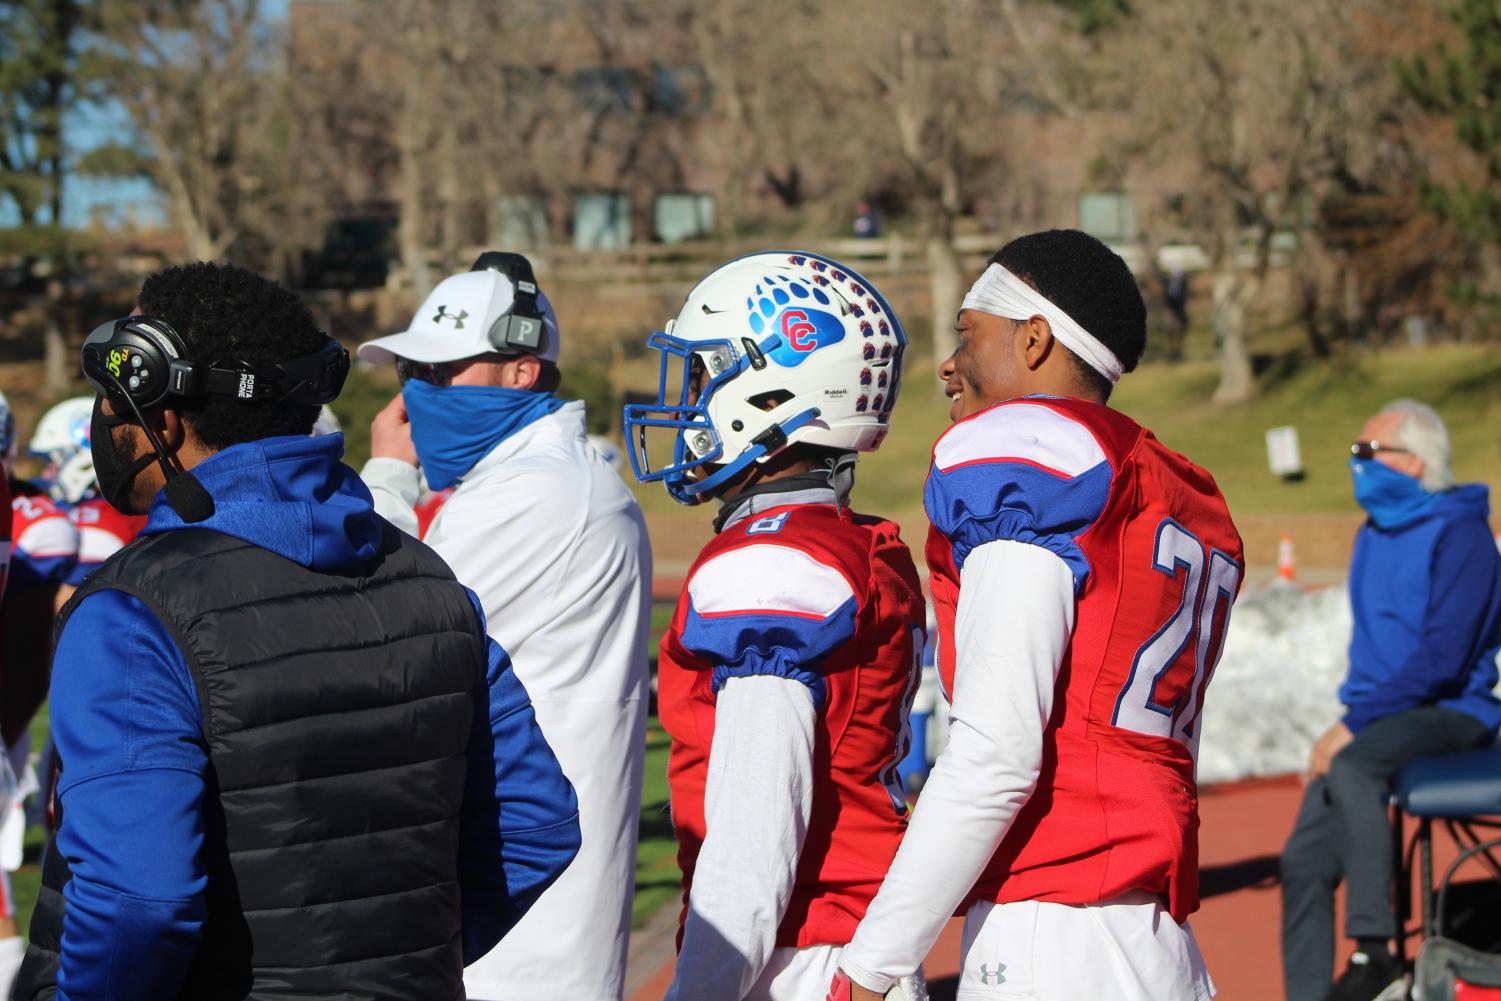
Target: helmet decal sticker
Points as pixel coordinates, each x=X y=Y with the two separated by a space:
x=803 y=332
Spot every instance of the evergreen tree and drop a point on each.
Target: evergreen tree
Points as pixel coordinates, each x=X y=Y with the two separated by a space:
x=39 y=60
x=1466 y=84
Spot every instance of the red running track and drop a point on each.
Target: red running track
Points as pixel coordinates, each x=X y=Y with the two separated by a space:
x=1243 y=827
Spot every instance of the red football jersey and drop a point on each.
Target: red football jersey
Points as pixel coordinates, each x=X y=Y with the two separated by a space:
x=102 y=532
x=830 y=599
x=44 y=540
x=427 y=509
x=1157 y=564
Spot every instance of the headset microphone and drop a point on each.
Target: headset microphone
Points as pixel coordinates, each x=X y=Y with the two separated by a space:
x=182 y=489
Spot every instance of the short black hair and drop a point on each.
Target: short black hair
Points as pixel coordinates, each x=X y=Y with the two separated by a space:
x=550 y=378
x=227 y=314
x=1089 y=282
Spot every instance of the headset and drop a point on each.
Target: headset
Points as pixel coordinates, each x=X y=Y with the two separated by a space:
x=522 y=328
x=142 y=361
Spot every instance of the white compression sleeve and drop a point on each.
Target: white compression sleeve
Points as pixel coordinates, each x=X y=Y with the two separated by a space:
x=1013 y=623
x=757 y=804
x=395 y=485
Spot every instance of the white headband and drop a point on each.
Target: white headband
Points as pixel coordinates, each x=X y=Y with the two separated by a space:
x=1000 y=293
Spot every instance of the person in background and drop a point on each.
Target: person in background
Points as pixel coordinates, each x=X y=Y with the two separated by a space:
x=1425 y=593
x=62 y=439
x=12 y=947
x=293 y=762
x=541 y=528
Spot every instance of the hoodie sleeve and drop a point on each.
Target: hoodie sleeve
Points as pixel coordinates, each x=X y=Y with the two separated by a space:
x=395 y=486
x=1462 y=576
x=520 y=822
x=126 y=720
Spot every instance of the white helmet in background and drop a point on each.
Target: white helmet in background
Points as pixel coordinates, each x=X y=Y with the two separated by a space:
x=327 y=423
x=62 y=438
x=769 y=350
x=8 y=437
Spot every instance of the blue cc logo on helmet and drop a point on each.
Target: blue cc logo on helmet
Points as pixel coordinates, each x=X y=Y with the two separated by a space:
x=804 y=331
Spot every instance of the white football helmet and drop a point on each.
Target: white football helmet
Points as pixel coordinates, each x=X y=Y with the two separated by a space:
x=769 y=350
x=62 y=438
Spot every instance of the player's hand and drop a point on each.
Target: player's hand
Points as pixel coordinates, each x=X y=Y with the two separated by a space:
x=845 y=989
x=391 y=433
x=1334 y=740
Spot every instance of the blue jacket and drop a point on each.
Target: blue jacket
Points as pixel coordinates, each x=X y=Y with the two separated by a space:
x=1426 y=596
x=126 y=718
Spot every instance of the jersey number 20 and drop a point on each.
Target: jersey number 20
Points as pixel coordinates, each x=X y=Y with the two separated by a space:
x=1155 y=699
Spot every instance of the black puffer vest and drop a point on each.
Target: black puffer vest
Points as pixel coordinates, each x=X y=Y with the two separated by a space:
x=336 y=708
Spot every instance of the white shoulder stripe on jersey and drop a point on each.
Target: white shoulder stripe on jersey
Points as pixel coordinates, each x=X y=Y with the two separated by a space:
x=95 y=545
x=1027 y=432
x=768 y=579
x=49 y=537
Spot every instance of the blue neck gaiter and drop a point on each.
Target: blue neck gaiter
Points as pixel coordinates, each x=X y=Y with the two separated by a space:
x=1389 y=497
x=454 y=427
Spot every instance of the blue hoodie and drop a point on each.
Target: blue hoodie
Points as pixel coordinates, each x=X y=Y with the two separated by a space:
x=125 y=715
x=1426 y=597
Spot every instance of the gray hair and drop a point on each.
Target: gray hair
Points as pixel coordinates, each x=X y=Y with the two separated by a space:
x=1422 y=432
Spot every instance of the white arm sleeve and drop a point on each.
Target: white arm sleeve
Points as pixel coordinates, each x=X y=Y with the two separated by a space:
x=1012 y=626
x=756 y=807
x=395 y=485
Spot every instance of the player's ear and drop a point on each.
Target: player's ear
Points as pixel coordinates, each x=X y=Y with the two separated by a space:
x=1034 y=340
x=169 y=427
x=522 y=372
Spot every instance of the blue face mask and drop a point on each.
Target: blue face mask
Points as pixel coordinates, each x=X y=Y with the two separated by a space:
x=1389 y=497
x=454 y=427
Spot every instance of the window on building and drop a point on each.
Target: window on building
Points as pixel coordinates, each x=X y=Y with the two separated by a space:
x=683 y=215
x=1108 y=215
x=605 y=89
x=520 y=222
x=601 y=220
x=680 y=90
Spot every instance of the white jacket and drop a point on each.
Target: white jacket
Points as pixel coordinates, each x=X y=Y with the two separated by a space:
x=545 y=532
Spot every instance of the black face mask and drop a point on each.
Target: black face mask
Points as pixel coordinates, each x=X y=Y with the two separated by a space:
x=114 y=470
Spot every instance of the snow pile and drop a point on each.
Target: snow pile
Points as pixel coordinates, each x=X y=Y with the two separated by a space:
x=1274 y=691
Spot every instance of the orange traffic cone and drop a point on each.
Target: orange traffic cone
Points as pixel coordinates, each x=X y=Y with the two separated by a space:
x=1287 y=561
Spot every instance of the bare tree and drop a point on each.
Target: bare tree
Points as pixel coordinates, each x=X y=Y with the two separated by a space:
x=1251 y=103
x=943 y=85
x=204 y=85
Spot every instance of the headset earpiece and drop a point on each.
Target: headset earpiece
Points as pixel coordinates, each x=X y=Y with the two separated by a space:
x=522 y=328
x=145 y=359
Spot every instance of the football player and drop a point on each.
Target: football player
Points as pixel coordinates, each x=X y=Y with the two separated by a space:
x=12 y=820
x=1083 y=575
x=788 y=671
x=62 y=438
x=43 y=555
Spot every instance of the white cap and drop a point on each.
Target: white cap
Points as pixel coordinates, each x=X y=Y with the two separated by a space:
x=455 y=322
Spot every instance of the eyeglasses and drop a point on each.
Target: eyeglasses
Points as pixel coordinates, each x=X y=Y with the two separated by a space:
x=1368 y=449
x=441 y=373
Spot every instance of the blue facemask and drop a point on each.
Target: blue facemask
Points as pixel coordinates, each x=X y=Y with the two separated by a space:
x=454 y=427
x=1389 y=497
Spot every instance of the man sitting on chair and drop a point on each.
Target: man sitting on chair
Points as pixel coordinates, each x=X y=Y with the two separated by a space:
x=1425 y=590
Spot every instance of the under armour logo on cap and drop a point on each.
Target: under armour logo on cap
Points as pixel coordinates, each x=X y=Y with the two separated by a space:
x=458 y=321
